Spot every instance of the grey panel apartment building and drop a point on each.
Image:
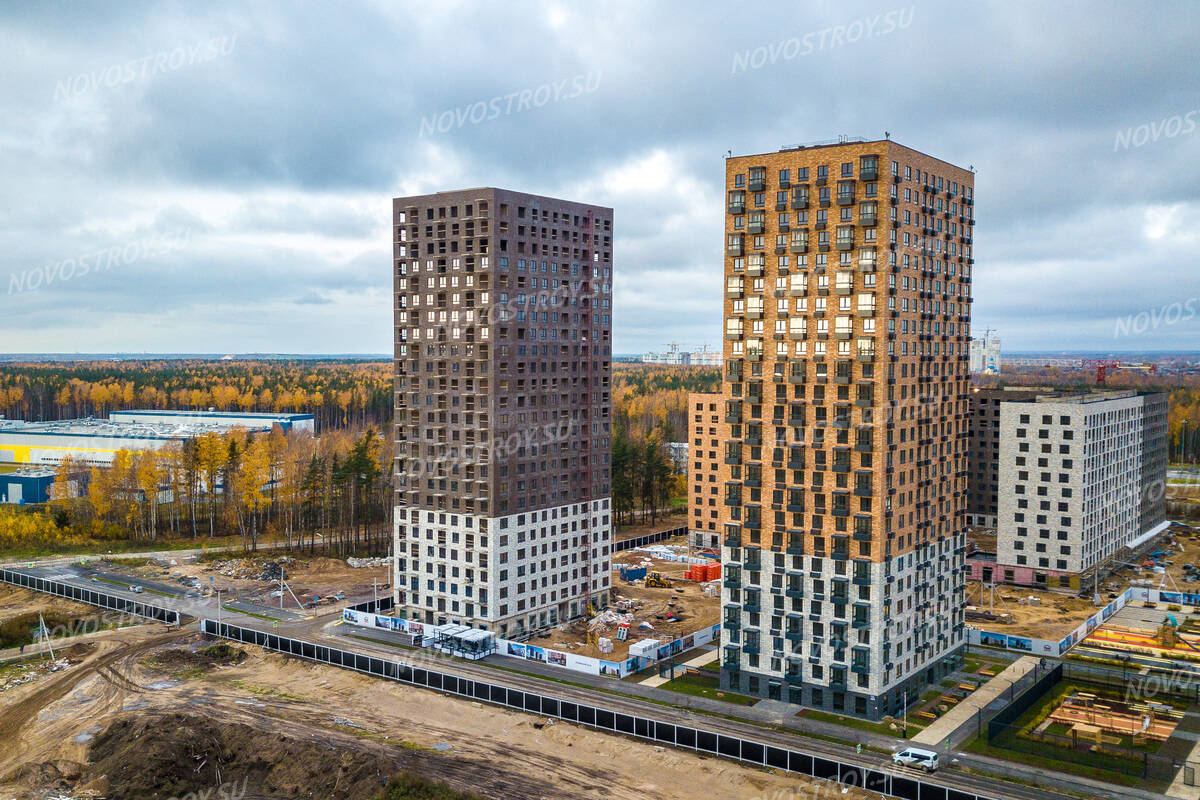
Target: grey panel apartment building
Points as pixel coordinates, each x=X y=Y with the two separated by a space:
x=1082 y=479
x=503 y=354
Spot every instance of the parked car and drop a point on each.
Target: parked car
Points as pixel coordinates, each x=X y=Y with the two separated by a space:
x=915 y=757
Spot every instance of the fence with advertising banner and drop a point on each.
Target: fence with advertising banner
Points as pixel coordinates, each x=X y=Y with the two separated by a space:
x=425 y=633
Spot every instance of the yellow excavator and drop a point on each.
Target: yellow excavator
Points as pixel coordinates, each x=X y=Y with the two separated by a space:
x=655 y=580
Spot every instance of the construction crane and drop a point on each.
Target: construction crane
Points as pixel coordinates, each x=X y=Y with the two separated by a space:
x=1103 y=365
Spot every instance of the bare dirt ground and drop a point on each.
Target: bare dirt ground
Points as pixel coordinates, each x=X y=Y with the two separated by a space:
x=307 y=577
x=1056 y=616
x=148 y=713
x=15 y=601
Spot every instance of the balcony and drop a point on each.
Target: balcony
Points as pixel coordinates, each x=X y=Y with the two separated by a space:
x=797 y=333
x=734 y=291
x=845 y=199
x=731 y=623
x=733 y=334
x=845 y=244
x=757 y=183
x=868 y=220
x=865 y=356
x=843 y=288
x=796 y=377
x=799 y=203
x=866 y=311
x=754 y=355
x=869 y=174
x=799 y=247
x=796 y=592
x=737 y=208
x=793 y=678
x=733 y=456
x=750 y=648
x=756 y=227
x=735 y=249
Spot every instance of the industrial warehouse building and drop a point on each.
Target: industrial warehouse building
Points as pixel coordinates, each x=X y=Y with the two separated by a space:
x=227 y=419
x=97 y=441
x=26 y=486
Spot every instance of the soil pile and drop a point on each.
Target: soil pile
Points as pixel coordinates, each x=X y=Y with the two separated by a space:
x=169 y=755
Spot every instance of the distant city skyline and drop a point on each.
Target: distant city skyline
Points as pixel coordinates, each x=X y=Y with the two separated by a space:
x=219 y=177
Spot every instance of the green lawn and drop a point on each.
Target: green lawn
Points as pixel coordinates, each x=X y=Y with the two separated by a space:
x=1051 y=762
x=914 y=725
x=706 y=686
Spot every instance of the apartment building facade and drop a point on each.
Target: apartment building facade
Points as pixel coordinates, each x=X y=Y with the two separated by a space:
x=984 y=356
x=503 y=354
x=983 y=451
x=708 y=440
x=847 y=322
x=1082 y=479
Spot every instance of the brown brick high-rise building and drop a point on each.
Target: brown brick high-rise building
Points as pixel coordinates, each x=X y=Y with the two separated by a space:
x=847 y=315
x=708 y=440
x=503 y=354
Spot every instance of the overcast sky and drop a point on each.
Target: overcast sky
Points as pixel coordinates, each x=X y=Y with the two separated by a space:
x=216 y=177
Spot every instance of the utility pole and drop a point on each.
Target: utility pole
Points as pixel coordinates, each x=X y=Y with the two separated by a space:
x=44 y=635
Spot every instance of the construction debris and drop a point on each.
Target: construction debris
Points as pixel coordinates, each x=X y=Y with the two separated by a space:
x=359 y=563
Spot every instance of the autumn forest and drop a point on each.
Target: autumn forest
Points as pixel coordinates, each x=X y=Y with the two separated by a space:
x=333 y=492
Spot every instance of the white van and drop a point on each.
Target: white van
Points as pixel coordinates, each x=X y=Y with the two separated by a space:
x=914 y=757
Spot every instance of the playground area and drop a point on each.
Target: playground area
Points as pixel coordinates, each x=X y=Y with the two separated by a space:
x=1087 y=717
x=1149 y=631
x=1091 y=725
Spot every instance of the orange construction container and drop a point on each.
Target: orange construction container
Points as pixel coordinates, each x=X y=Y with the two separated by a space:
x=712 y=572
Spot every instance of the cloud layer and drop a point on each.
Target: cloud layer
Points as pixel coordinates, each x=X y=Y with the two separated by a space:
x=245 y=156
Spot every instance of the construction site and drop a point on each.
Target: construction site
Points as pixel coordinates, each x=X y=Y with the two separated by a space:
x=656 y=595
x=155 y=712
x=1169 y=562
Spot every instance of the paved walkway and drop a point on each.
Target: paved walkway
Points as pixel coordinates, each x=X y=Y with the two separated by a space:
x=945 y=726
x=696 y=662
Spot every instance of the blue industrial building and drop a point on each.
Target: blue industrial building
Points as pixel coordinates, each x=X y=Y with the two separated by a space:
x=26 y=487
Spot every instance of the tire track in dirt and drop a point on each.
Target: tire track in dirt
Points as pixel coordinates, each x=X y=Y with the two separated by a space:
x=54 y=688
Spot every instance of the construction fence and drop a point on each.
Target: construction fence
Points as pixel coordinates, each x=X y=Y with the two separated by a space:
x=136 y=608
x=888 y=783
x=545 y=655
x=649 y=538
